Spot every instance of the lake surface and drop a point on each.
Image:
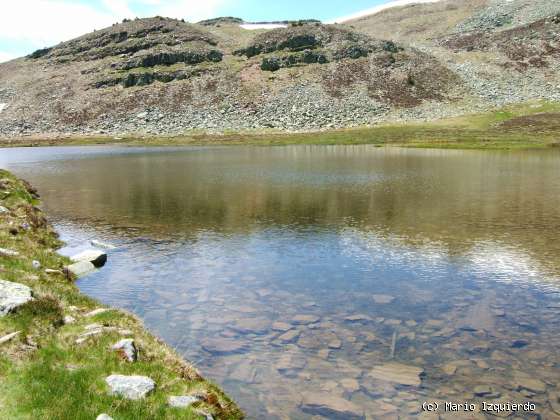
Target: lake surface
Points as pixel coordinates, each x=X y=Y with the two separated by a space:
x=297 y=277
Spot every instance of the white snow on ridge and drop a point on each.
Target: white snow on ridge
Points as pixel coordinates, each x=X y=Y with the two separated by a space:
x=381 y=7
x=3 y=107
x=254 y=26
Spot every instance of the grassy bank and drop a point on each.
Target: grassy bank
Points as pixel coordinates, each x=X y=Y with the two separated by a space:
x=525 y=126
x=44 y=373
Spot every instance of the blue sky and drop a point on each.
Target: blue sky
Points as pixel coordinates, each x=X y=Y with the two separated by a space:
x=26 y=25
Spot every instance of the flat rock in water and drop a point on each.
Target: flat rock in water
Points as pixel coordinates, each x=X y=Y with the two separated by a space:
x=130 y=387
x=358 y=318
x=305 y=319
x=289 y=336
x=12 y=296
x=524 y=381
x=330 y=406
x=127 y=349
x=97 y=258
x=398 y=373
x=383 y=299
x=281 y=326
x=182 y=401
x=81 y=268
x=251 y=325
x=223 y=346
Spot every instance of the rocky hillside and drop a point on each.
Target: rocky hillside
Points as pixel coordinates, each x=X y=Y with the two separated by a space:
x=162 y=76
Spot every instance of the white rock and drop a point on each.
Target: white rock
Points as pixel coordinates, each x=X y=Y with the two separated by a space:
x=3 y=209
x=104 y=417
x=13 y=295
x=182 y=401
x=97 y=258
x=8 y=337
x=8 y=253
x=97 y=312
x=130 y=387
x=81 y=268
x=102 y=245
x=69 y=319
x=36 y=264
x=127 y=348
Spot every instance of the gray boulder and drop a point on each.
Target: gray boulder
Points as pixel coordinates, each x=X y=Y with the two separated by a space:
x=182 y=401
x=12 y=296
x=130 y=387
x=127 y=349
x=81 y=268
x=96 y=257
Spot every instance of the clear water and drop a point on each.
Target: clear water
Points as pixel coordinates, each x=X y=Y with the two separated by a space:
x=447 y=261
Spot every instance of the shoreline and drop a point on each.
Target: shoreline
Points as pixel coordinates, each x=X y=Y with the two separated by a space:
x=56 y=349
x=534 y=125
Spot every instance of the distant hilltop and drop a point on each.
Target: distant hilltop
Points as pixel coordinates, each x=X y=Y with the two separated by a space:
x=161 y=76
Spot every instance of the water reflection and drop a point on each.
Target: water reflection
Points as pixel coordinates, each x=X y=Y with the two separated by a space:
x=291 y=274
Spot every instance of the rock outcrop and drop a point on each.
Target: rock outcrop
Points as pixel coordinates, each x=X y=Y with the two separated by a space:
x=12 y=296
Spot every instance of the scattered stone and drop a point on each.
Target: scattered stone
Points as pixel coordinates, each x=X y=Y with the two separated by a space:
x=289 y=336
x=127 y=349
x=12 y=296
x=104 y=417
x=335 y=344
x=36 y=264
x=130 y=387
x=102 y=245
x=305 y=319
x=281 y=326
x=204 y=414
x=485 y=391
x=8 y=253
x=3 y=210
x=9 y=337
x=182 y=401
x=69 y=319
x=398 y=373
x=358 y=318
x=81 y=268
x=51 y=271
x=523 y=381
x=330 y=406
x=350 y=384
x=97 y=258
x=383 y=299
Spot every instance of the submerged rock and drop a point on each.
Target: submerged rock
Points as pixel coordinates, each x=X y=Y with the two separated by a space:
x=97 y=258
x=330 y=406
x=222 y=346
x=305 y=319
x=383 y=299
x=12 y=296
x=398 y=373
x=130 y=387
x=289 y=336
x=102 y=245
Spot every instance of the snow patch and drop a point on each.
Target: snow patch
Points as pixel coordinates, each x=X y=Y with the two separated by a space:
x=255 y=26
x=380 y=8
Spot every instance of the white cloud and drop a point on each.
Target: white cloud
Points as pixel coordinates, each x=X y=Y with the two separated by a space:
x=4 y=56
x=377 y=9
x=191 y=10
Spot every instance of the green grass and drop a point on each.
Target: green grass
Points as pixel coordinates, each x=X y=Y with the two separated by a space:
x=44 y=374
x=478 y=131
